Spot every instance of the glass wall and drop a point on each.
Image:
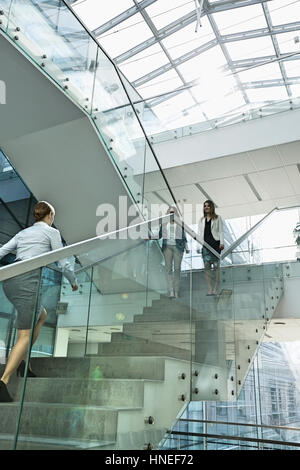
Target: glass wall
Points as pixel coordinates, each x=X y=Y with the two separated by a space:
x=273 y=241
x=16 y=213
x=267 y=409
x=56 y=41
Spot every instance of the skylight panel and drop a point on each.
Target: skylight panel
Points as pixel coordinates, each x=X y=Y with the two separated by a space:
x=250 y=48
x=94 y=14
x=164 y=12
x=214 y=87
x=144 y=62
x=292 y=68
x=125 y=36
x=287 y=43
x=206 y=64
x=240 y=19
x=164 y=83
x=284 y=11
x=179 y=111
x=262 y=72
x=186 y=39
x=262 y=95
x=218 y=107
x=295 y=89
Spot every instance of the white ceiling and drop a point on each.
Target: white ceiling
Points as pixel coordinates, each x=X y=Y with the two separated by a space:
x=248 y=183
x=284 y=329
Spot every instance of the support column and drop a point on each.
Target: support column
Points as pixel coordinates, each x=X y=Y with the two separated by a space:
x=61 y=342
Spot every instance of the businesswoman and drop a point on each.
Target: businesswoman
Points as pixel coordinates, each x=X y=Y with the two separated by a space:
x=210 y=229
x=173 y=247
x=22 y=290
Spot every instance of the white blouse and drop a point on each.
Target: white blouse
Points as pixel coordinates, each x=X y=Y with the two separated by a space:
x=36 y=240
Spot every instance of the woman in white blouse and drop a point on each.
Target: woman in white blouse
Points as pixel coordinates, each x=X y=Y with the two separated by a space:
x=173 y=246
x=22 y=290
x=210 y=229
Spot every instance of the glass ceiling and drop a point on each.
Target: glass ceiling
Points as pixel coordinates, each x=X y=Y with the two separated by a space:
x=245 y=54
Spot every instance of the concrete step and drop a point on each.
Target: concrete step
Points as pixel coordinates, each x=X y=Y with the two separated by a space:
x=225 y=310
x=152 y=368
x=158 y=323
x=201 y=310
x=51 y=443
x=213 y=303
x=173 y=317
x=141 y=347
x=174 y=303
x=101 y=392
x=177 y=334
x=61 y=420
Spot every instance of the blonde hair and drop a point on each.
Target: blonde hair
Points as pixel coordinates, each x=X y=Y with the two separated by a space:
x=41 y=210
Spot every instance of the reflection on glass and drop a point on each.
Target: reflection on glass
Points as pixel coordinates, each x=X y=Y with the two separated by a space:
x=113 y=339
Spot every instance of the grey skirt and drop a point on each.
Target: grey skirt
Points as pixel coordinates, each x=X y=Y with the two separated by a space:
x=23 y=292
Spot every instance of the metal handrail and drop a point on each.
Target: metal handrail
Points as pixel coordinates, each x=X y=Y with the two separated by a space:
x=229 y=423
x=196 y=237
x=235 y=438
x=246 y=234
x=22 y=267
x=76 y=249
x=130 y=102
x=186 y=228
x=118 y=72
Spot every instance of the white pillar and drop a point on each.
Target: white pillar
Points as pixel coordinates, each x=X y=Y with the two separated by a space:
x=61 y=342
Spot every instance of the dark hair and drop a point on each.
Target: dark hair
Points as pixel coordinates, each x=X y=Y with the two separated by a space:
x=174 y=209
x=41 y=210
x=212 y=209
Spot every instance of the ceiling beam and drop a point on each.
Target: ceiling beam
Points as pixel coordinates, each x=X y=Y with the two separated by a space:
x=171 y=62
x=122 y=17
x=184 y=58
x=276 y=47
x=152 y=102
x=221 y=40
x=257 y=33
x=216 y=31
x=182 y=23
x=255 y=61
x=272 y=83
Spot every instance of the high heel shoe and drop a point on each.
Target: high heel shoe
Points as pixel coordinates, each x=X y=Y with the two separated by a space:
x=4 y=395
x=21 y=371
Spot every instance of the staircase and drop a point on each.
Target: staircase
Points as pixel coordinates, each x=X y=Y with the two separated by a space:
x=131 y=392
x=96 y=403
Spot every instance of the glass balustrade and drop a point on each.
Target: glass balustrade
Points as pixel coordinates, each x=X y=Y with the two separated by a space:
x=119 y=349
x=109 y=363
x=272 y=241
x=264 y=417
x=254 y=112
x=55 y=40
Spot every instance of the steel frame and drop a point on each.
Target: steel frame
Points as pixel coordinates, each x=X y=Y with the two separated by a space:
x=221 y=40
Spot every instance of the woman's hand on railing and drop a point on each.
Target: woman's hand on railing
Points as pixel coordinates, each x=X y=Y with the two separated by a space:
x=75 y=287
x=221 y=247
